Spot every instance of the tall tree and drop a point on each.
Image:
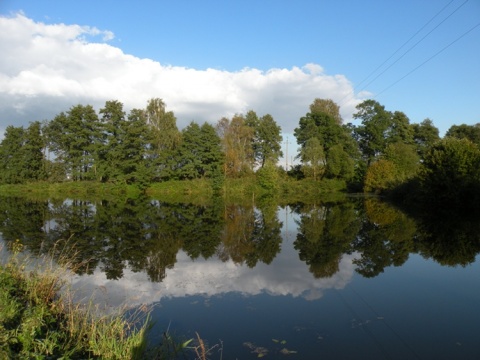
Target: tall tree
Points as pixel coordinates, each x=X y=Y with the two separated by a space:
x=11 y=155
x=371 y=135
x=236 y=137
x=335 y=139
x=165 y=134
x=464 y=131
x=163 y=123
x=34 y=159
x=327 y=106
x=313 y=158
x=73 y=137
x=267 y=140
x=450 y=173
x=425 y=135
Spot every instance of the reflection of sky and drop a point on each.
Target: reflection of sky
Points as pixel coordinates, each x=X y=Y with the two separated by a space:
x=286 y=275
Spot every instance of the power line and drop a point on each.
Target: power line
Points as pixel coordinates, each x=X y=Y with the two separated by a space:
x=408 y=50
x=430 y=58
x=405 y=43
x=414 y=45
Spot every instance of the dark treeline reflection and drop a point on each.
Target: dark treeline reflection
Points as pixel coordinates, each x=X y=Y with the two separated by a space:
x=146 y=235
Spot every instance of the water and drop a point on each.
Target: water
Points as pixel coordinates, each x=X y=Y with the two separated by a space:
x=340 y=280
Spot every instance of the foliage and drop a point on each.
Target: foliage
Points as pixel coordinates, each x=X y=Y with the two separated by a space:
x=266 y=138
x=450 y=173
x=463 y=131
x=381 y=176
x=267 y=177
x=313 y=158
x=236 y=138
x=326 y=106
x=425 y=135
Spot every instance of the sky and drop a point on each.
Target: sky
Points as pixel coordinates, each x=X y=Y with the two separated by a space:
x=212 y=59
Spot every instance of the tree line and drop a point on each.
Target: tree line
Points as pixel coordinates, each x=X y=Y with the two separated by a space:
x=385 y=151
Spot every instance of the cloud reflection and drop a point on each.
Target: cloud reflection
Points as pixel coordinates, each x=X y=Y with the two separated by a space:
x=286 y=276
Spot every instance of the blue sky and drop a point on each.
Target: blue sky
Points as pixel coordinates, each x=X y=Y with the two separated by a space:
x=209 y=59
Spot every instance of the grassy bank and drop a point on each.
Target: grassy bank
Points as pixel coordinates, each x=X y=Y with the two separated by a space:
x=39 y=320
x=192 y=191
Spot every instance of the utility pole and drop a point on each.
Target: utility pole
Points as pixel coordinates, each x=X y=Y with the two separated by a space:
x=286 y=154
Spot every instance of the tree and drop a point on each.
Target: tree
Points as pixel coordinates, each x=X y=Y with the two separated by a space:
x=11 y=155
x=371 y=135
x=450 y=173
x=267 y=138
x=405 y=158
x=111 y=152
x=163 y=125
x=381 y=176
x=33 y=157
x=425 y=135
x=200 y=153
x=339 y=163
x=236 y=138
x=400 y=129
x=327 y=106
x=74 y=137
x=463 y=131
x=338 y=146
x=313 y=158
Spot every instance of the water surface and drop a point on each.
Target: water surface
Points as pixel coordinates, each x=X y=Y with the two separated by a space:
x=334 y=280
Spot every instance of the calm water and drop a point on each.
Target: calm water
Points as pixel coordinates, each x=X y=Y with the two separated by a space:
x=334 y=280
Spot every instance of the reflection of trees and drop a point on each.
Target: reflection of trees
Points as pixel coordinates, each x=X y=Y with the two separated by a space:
x=324 y=235
x=24 y=220
x=450 y=239
x=385 y=238
x=250 y=235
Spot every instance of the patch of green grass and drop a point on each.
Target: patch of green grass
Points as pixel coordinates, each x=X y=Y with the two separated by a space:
x=39 y=320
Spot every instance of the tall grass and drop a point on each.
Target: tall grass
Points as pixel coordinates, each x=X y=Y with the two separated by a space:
x=39 y=320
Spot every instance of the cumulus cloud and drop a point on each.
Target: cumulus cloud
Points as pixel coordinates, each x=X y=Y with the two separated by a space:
x=47 y=68
x=284 y=277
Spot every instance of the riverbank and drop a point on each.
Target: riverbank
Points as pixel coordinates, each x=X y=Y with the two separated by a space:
x=38 y=318
x=195 y=191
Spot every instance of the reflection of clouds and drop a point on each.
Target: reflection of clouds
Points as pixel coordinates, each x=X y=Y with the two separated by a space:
x=285 y=276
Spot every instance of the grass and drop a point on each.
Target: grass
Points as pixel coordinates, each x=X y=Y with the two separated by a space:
x=198 y=191
x=40 y=320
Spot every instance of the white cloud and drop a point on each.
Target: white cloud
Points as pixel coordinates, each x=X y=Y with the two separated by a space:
x=284 y=277
x=46 y=69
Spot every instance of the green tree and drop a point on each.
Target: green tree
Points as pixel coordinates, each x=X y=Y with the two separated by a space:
x=200 y=152
x=323 y=123
x=381 y=176
x=74 y=138
x=371 y=135
x=236 y=139
x=111 y=152
x=400 y=129
x=11 y=155
x=165 y=137
x=450 y=173
x=327 y=106
x=339 y=164
x=425 y=135
x=405 y=158
x=34 y=159
x=267 y=138
x=313 y=158
x=463 y=131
